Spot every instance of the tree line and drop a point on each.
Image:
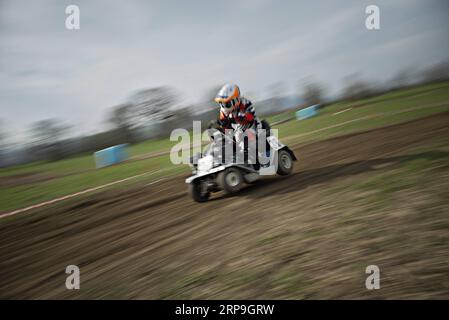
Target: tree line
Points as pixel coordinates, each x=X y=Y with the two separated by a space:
x=154 y=112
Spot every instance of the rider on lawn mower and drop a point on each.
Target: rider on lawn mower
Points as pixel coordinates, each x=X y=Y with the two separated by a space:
x=237 y=113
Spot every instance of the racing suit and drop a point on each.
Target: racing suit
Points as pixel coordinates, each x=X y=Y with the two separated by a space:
x=242 y=119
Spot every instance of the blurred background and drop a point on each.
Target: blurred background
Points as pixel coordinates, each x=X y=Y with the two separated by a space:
x=133 y=72
x=366 y=112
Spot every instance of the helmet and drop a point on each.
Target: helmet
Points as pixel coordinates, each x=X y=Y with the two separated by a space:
x=228 y=97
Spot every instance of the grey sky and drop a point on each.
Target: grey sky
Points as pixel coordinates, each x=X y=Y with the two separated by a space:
x=48 y=71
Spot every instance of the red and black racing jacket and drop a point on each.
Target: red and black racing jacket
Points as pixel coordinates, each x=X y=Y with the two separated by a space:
x=243 y=116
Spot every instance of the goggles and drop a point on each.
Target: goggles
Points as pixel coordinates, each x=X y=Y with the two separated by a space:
x=227 y=105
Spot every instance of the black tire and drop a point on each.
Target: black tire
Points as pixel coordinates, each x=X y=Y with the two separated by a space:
x=194 y=189
x=230 y=180
x=285 y=163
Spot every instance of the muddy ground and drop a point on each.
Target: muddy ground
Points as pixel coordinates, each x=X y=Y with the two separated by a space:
x=306 y=236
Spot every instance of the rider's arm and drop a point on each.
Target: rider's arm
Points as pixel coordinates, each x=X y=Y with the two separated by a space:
x=247 y=115
x=224 y=121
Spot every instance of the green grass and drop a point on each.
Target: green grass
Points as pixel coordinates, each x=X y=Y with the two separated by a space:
x=62 y=167
x=381 y=111
x=83 y=162
x=421 y=170
x=24 y=195
x=280 y=117
x=150 y=146
x=79 y=173
x=411 y=172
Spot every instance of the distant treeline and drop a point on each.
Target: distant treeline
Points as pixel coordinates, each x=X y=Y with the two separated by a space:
x=153 y=113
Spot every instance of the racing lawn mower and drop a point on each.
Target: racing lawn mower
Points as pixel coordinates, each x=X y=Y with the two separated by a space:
x=213 y=172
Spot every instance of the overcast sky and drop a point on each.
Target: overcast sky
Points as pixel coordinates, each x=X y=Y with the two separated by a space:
x=47 y=71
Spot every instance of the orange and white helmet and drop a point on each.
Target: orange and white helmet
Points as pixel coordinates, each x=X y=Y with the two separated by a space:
x=228 y=97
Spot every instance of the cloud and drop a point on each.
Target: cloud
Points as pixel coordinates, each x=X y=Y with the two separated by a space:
x=48 y=71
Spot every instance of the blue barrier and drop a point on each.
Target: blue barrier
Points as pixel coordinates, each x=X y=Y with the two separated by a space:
x=307 y=112
x=110 y=156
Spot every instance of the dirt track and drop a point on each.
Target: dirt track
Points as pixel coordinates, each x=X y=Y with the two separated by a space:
x=279 y=239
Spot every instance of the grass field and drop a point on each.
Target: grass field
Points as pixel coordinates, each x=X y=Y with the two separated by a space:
x=33 y=183
x=384 y=110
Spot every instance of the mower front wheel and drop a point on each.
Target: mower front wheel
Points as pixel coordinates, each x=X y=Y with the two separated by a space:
x=196 y=191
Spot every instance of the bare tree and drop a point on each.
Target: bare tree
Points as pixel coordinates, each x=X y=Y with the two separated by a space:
x=437 y=72
x=312 y=93
x=47 y=136
x=2 y=132
x=153 y=104
x=121 y=116
x=356 y=88
x=48 y=131
x=403 y=78
x=2 y=141
x=122 y=119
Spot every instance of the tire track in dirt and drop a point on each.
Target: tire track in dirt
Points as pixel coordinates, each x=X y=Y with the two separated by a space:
x=129 y=242
x=159 y=153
